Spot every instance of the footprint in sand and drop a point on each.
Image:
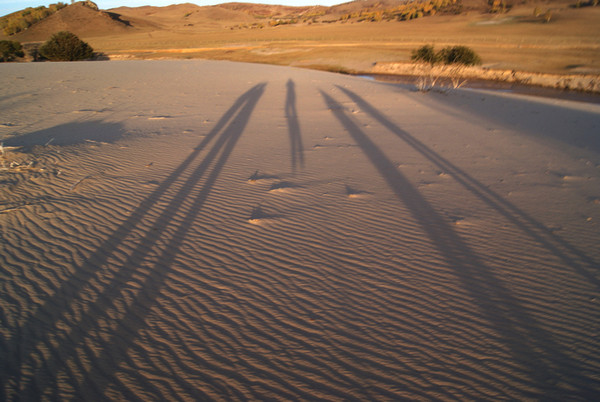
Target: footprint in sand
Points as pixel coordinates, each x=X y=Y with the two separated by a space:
x=284 y=187
x=354 y=193
x=257 y=176
x=260 y=218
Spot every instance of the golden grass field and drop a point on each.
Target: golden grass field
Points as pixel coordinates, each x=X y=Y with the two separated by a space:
x=515 y=40
x=570 y=44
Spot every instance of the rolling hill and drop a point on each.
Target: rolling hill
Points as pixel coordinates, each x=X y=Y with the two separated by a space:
x=346 y=37
x=78 y=18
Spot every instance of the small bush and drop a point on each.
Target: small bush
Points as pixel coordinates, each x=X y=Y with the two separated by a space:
x=448 y=55
x=66 y=46
x=425 y=54
x=459 y=55
x=9 y=50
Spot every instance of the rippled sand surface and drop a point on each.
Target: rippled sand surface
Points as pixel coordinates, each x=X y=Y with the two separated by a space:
x=194 y=230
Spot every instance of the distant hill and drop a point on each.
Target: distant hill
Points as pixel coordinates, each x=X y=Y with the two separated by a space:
x=85 y=20
x=181 y=15
x=267 y=10
x=250 y=14
x=79 y=18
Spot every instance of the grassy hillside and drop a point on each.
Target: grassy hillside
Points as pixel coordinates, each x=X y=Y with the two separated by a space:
x=21 y=20
x=515 y=39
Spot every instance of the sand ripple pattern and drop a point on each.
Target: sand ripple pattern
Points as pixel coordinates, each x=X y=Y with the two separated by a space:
x=219 y=255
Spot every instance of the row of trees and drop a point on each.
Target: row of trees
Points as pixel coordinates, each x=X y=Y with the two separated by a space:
x=62 y=46
x=20 y=21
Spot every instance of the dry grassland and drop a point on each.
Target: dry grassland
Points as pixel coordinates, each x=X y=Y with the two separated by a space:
x=569 y=44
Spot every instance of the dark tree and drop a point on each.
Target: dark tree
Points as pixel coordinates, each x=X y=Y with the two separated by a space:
x=425 y=54
x=66 y=46
x=9 y=50
x=459 y=55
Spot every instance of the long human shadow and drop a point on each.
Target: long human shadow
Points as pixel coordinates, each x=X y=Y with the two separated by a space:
x=32 y=335
x=569 y=254
x=291 y=114
x=531 y=347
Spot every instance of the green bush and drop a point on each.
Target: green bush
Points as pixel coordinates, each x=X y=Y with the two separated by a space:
x=448 y=55
x=459 y=55
x=425 y=54
x=9 y=50
x=66 y=46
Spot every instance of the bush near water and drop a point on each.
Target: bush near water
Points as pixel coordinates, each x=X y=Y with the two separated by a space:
x=449 y=55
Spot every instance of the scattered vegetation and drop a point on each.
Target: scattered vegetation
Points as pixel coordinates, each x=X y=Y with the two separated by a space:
x=283 y=21
x=499 y=6
x=88 y=4
x=426 y=83
x=589 y=3
x=9 y=50
x=19 y=21
x=65 y=46
x=406 y=12
x=255 y=25
x=462 y=55
x=542 y=16
x=442 y=80
x=312 y=16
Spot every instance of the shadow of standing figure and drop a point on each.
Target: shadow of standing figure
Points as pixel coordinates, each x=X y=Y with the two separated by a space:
x=291 y=114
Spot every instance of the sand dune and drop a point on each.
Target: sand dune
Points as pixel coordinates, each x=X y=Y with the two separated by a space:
x=244 y=231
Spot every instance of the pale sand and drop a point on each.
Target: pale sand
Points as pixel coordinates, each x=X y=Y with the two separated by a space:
x=198 y=230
